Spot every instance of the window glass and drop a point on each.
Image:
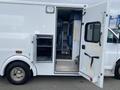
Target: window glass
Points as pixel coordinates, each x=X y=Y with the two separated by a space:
x=96 y=32
x=114 y=24
x=111 y=37
x=89 y=32
x=92 y=32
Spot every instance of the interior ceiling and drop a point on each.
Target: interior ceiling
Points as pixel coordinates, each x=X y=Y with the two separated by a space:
x=64 y=14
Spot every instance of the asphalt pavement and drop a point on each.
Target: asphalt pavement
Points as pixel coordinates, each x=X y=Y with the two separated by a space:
x=60 y=83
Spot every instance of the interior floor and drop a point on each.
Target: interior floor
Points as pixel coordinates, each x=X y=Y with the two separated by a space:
x=67 y=66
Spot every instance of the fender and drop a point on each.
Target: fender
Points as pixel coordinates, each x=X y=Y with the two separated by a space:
x=20 y=58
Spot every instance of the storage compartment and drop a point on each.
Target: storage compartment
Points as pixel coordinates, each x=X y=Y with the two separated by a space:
x=68 y=39
x=44 y=47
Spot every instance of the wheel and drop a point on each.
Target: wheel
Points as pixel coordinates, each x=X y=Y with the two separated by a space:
x=18 y=73
x=117 y=71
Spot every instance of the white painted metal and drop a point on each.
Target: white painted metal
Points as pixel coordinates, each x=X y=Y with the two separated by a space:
x=37 y=2
x=112 y=50
x=95 y=72
x=6 y=60
x=21 y=20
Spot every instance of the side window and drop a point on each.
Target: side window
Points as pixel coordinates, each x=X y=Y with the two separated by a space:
x=110 y=37
x=114 y=22
x=92 y=32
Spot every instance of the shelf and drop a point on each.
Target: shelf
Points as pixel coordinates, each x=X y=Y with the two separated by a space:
x=47 y=46
x=44 y=47
x=44 y=58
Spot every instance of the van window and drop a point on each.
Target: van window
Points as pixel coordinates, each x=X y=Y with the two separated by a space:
x=110 y=37
x=114 y=24
x=92 y=32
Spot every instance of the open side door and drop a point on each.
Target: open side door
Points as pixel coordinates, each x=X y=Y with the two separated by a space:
x=93 y=39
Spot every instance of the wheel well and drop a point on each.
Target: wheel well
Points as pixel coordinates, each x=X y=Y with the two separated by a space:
x=118 y=62
x=14 y=62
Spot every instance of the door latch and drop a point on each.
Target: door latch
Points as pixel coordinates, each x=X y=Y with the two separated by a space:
x=83 y=46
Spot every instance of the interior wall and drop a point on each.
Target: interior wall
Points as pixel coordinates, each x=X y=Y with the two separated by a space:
x=76 y=39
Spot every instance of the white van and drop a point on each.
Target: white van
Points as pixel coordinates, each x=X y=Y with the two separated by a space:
x=56 y=39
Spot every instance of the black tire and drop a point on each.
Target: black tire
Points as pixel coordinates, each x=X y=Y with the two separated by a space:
x=117 y=71
x=24 y=67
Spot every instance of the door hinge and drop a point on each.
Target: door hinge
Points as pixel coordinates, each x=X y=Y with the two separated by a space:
x=106 y=14
x=84 y=13
x=32 y=42
x=84 y=10
x=82 y=24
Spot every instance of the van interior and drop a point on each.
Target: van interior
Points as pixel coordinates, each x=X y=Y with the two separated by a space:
x=68 y=40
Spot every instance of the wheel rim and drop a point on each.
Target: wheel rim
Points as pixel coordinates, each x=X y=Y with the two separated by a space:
x=17 y=74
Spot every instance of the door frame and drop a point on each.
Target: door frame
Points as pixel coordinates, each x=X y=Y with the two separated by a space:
x=56 y=14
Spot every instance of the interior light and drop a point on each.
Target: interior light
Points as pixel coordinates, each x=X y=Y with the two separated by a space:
x=50 y=9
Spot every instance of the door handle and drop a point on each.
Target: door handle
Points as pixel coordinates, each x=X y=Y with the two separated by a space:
x=83 y=46
x=92 y=58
